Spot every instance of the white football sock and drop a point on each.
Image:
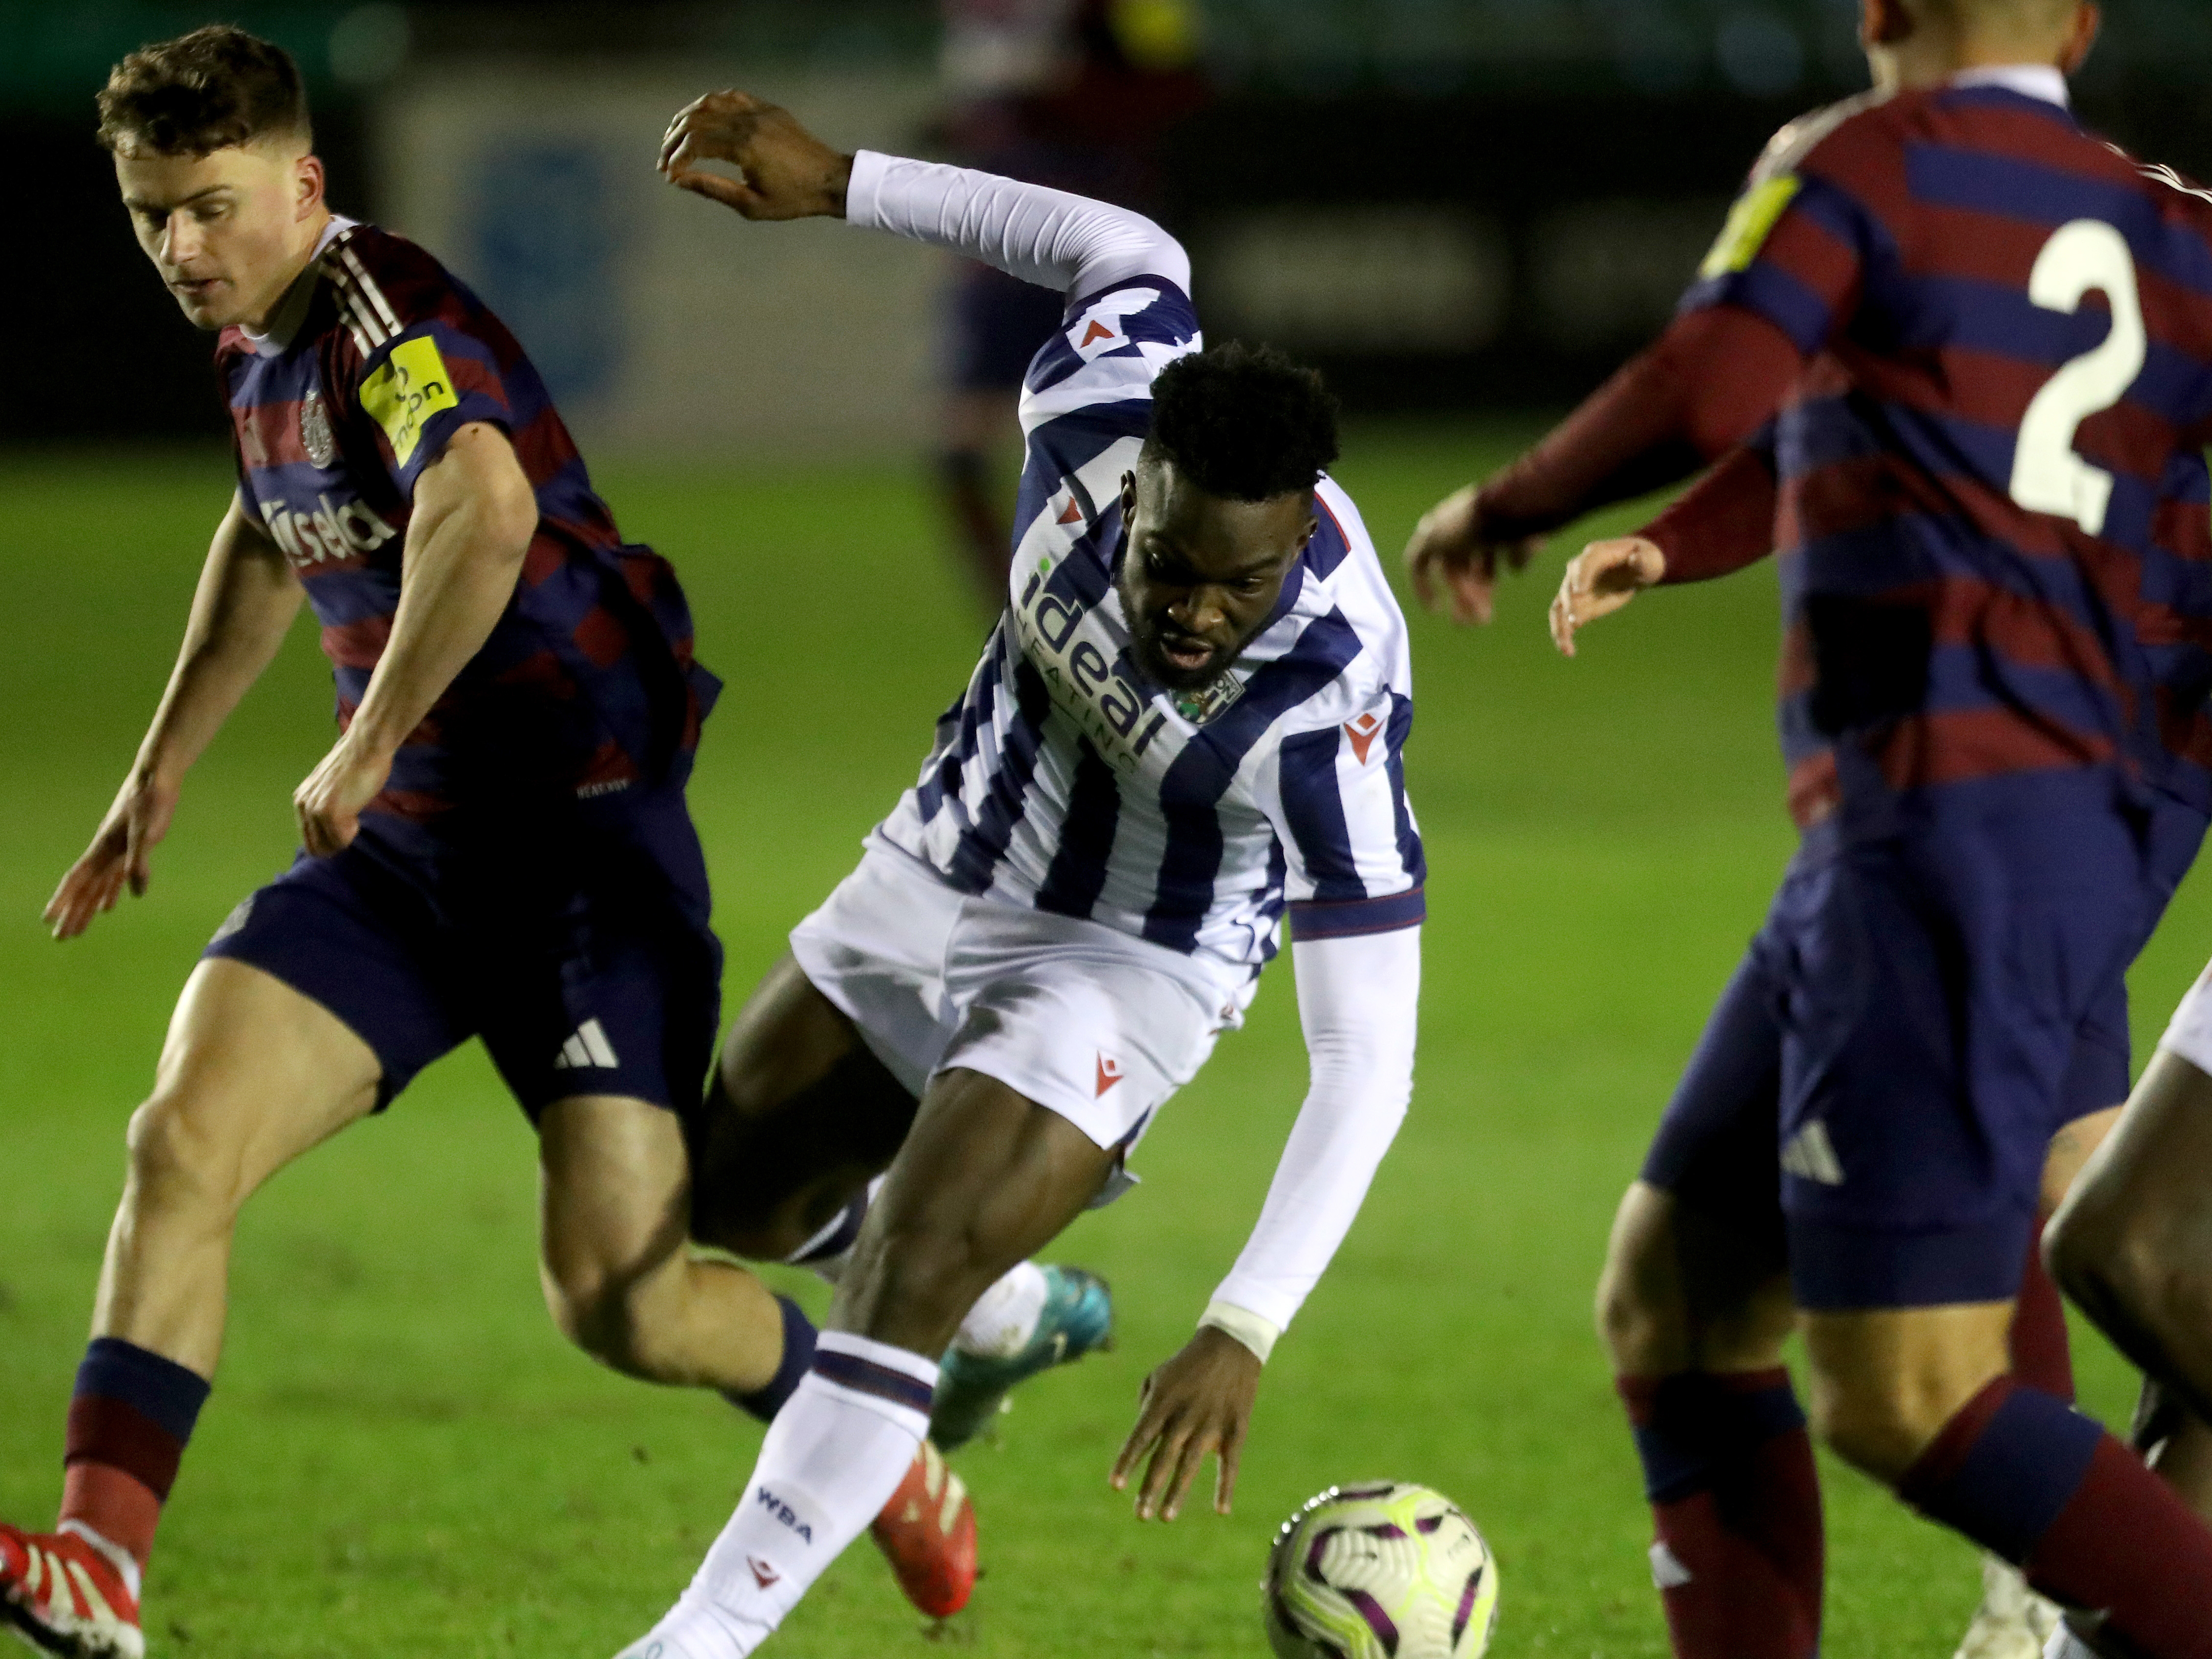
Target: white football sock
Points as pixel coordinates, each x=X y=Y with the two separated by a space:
x=1004 y=1317
x=2065 y=1644
x=832 y=1458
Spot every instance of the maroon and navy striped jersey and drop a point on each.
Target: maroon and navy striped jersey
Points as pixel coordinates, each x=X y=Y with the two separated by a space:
x=1993 y=497
x=586 y=686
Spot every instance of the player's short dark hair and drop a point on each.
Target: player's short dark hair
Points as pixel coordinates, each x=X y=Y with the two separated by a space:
x=1243 y=422
x=203 y=92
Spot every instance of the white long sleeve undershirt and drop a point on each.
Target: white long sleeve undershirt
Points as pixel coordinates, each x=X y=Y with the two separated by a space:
x=1358 y=1003
x=1068 y=243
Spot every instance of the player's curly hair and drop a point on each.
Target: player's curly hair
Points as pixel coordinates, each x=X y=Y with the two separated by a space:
x=1243 y=422
x=203 y=92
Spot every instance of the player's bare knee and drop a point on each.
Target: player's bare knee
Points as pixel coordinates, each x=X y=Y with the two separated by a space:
x=1635 y=1321
x=609 y=1318
x=1640 y=1316
x=1879 y=1429
x=182 y=1157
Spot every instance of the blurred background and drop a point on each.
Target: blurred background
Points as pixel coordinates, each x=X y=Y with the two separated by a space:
x=1453 y=205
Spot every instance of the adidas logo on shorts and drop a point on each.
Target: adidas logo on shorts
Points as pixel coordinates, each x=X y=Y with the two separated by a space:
x=587 y=1049
x=1811 y=1156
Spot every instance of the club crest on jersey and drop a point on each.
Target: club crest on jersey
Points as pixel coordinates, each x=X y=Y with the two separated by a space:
x=1208 y=700
x=316 y=437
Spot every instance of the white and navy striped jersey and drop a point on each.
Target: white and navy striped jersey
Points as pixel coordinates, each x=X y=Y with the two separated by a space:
x=1060 y=779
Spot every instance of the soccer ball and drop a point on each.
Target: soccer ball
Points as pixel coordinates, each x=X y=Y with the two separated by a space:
x=1379 y=1570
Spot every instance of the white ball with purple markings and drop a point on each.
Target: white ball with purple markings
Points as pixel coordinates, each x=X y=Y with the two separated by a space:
x=1380 y=1569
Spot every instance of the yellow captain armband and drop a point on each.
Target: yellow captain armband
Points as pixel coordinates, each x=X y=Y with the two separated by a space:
x=411 y=387
x=1247 y=1327
x=1750 y=222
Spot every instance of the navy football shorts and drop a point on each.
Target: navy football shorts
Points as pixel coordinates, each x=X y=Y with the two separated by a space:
x=994 y=324
x=582 y=958
x=1878 y=1089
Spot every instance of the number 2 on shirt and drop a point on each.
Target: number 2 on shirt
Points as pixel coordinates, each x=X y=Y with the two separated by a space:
x=2047 y=476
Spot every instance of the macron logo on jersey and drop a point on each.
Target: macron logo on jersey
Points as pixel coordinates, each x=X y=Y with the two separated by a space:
x=1100 y=329
x=587 y=1049
x=1097 y=335
x=1362 y=732
x=1109 y=1074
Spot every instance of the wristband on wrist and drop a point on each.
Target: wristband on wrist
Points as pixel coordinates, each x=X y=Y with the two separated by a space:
x=1247 y=1327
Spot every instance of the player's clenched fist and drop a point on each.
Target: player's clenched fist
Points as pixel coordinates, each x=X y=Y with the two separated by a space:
x=1452 y=549
x=1603 y=577
x=788 y=173
x=329 y=802
x=118 y=856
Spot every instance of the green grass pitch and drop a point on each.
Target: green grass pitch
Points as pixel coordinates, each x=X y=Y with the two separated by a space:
x=402 y=1457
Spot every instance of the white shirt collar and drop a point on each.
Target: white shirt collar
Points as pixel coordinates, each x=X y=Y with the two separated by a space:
x=2040 y=81
x=292 y=310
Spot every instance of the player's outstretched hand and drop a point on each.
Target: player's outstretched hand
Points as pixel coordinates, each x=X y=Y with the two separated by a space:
x=1452 y=550
x=1603 y=577
x=329 y=802
x=1199 y=1402
x=788 y=173
x=117 y=856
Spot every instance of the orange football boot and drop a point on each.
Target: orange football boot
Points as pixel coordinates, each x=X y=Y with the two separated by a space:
x=62 y=1594
x=927 y=1533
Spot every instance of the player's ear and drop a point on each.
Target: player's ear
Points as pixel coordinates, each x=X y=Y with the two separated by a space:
x=1128 y=495
x=1884 y=22
x=2081 y=36
x=307 y=183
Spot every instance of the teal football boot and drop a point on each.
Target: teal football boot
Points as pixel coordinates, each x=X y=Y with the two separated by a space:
x=1078 y=1319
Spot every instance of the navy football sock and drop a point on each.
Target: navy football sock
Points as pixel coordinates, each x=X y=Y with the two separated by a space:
x=1739 y=1558
x=799 y=1337
x=132 y=1416
x=2020 y=1474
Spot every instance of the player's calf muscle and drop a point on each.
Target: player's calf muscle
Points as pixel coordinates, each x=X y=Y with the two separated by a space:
x=986 y=1177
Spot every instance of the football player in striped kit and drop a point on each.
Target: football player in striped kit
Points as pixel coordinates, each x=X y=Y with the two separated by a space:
x=1190 y=719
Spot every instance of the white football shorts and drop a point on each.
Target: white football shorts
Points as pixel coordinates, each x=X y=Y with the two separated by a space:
x=2189 y=1033
x=1097 y=1026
